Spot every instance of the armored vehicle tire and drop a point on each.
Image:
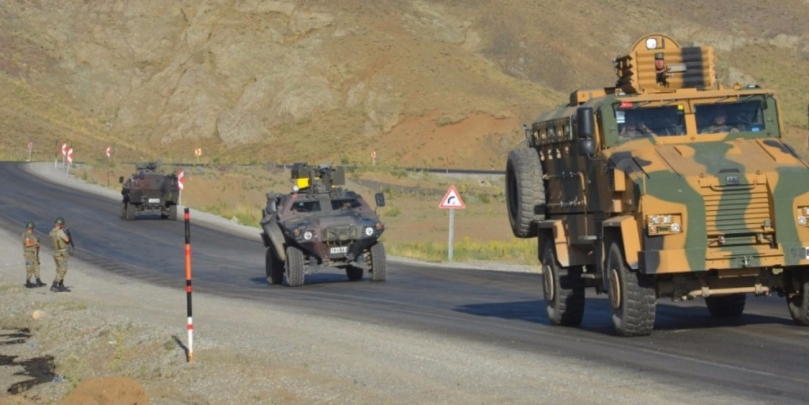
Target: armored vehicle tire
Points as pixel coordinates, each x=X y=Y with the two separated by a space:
x=130 y=212
x=274 y=267
x=632 y=296
x=123 y=210
x=726 y=305
x=563 y=288
x=379 y=263
x=172 y=213
x=525 y=192
x=294 y=266
x=798 y=297
x=354 y=273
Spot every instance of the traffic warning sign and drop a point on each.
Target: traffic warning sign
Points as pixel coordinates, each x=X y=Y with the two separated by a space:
x=452 y=199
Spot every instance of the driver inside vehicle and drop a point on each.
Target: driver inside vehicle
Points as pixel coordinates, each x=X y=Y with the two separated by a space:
x=719 y=124
x=634 y=129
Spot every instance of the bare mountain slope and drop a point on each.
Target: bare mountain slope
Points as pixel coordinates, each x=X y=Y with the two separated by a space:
x=421 y=82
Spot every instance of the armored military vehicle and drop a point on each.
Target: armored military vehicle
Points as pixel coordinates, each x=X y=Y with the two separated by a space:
x=149 y=189
x=667 y=185
x=321 y=224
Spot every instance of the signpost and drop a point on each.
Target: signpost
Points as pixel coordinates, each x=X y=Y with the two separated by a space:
x=373 y=158
x=30 y=148
x=451 y=201
x=109 y=150
x=64 y=153
x=69 y=159
x=198 y=153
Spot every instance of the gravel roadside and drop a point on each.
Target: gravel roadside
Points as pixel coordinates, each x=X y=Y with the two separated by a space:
x=246 y=352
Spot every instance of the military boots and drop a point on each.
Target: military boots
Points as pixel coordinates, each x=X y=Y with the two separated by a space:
x=39 y=283
x=59 y=287
x=29 y=284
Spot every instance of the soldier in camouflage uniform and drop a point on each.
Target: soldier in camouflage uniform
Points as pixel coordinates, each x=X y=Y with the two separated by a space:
x=59 y=240
x=30 y=245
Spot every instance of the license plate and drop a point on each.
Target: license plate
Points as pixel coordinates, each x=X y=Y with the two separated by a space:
x=154 y=200
x=341 y=249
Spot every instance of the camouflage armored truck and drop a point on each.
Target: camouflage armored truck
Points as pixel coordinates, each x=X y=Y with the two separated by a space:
x=320 y=223
x=667 y=185
x=149 y=189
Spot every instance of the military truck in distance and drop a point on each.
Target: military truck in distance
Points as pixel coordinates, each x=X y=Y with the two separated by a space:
x=321 y=223
x=667 y=185
x=149 y=189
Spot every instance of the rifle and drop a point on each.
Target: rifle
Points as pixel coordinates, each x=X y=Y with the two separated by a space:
x=71 y=246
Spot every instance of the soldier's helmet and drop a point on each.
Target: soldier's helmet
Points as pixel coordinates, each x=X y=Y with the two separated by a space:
x=60 y=221
x=29 y=225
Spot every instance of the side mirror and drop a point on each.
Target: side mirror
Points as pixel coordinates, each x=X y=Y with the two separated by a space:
x=380 y=199
x=121 y=180
x=587 y=147
x=584 y=118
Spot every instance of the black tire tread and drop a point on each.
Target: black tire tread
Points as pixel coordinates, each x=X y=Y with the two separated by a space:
x=726 y=305
x=798 y=301
x=567 y=306
x=294 y=266
x=636 y=317
x=354 y=273
x=379 y=262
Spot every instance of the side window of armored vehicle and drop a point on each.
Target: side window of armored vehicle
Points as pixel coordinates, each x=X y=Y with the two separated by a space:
x=306 y=206
x=345 y=204
x=650 y=121
x=745 y=116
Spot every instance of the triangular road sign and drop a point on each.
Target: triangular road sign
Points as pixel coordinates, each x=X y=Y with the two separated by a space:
x=452 y=199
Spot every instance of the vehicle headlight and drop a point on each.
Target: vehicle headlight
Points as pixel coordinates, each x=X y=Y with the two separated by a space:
x=369 y=231
x=665 y=224
x=801 y=220
x=307 y=235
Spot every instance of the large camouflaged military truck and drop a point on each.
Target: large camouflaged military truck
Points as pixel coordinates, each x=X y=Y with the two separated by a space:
x=321 y=224
x=667 y=185
x=149 y=189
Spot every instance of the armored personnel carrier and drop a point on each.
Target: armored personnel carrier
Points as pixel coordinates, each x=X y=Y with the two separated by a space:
x=321 y=224
x=149 y=190
x=667 y=185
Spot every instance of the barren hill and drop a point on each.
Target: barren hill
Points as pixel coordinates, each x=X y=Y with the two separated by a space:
x=420 y=82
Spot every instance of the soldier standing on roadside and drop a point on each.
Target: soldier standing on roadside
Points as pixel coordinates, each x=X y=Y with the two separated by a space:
x=30 y=245
x=59 y=240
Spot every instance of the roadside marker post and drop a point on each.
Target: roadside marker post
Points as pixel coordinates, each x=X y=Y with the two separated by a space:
x=30 y=148
x=190 y=324
x=109 y=150
x=64 y=153
x=451 y=201
x=181 y=186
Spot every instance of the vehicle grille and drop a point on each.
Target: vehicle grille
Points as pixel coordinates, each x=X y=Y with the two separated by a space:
x=736 y=210
x=340 y=233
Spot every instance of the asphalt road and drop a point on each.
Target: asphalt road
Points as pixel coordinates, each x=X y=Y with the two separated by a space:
x=760 y=356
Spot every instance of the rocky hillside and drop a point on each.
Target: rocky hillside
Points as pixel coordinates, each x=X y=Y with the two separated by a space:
x=420 y=82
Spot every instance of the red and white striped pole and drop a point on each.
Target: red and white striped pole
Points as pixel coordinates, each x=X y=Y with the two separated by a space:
x=188 y=284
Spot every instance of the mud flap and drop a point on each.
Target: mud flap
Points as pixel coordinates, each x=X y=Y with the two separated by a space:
x=272 y=234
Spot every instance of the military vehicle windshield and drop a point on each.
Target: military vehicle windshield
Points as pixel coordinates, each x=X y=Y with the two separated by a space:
x=306 y=206
x=744 y=116
x=345 y=204
x=656 y=121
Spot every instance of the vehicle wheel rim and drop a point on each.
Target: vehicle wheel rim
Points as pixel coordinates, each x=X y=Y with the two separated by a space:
x=615 y=289
x=547 y=275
